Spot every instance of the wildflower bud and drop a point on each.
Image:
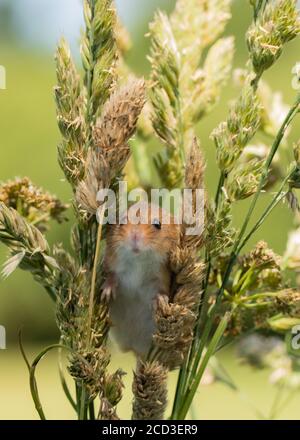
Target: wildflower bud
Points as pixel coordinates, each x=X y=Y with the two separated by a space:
x=291 y=298
x=36 y=205
x=260 y=257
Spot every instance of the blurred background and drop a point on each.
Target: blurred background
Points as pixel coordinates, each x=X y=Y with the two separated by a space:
x=29 y=32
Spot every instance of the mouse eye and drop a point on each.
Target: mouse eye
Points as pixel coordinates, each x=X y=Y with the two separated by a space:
x=156 y=223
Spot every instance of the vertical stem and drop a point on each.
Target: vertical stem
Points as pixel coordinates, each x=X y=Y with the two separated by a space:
x=210 y=351
x=94 y=273
x=82 y=409
x=92 y=410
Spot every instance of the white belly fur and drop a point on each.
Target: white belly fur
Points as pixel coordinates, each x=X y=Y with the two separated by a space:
x=138 y=283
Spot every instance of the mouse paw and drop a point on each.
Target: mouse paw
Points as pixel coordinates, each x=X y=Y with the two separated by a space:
x=108 y=293
x=159 y=301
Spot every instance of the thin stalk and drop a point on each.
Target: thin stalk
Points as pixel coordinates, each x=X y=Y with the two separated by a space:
x=78 y=393
x=94 y=273
x=259 y=296
x=266 y=213
x=193 y=368
x=219 y=188
x=180 y=389
x=92 y=410
x=82 y=410
x=210 y=351
x=63 y=381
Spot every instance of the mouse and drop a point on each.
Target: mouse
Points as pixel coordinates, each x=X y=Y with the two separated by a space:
x=136 y=264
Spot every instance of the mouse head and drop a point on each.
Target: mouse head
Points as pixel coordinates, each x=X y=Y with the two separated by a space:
x=152 y=230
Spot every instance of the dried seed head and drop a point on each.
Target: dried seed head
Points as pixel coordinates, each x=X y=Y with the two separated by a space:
x=107 y=410
x=290 y=299
x=150 y=391
x=119 y=117
x=260 y=257
x=36 y=205
x=174 y=332
x=189 y=296
x=89 y=367
x=179 y=257
x=113 y=387
x=98 y=176
x=195 y=167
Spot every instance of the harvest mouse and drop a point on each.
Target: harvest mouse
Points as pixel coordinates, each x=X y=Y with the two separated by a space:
x=136 y=264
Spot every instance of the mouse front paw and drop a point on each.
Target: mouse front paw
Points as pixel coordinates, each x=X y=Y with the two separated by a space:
x=160 y=300
x=108 y=293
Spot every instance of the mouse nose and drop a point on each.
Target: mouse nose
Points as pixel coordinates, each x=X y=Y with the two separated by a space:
x=135 y=241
